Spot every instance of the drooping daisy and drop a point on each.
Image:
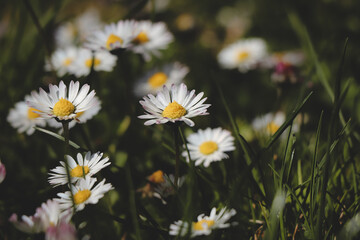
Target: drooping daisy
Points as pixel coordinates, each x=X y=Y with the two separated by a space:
x=84 y=192
x=62 y=104
x=154 y=80
x=27 y=224
x=82 y=117
x=204 y=224
x=173 y=105
x=150 y=38
x=62 y=60
x=100 y=60
x=209 y=145
x=88 y=165
x=114 y=36
x=25 y=118
x=244 y=54
x=76 y=31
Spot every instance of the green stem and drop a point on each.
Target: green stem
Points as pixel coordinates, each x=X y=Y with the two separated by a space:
x=177 y=155
x=65 y=125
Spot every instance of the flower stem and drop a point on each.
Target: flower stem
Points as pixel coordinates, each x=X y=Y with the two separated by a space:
x=177 y=159
x=65 y=125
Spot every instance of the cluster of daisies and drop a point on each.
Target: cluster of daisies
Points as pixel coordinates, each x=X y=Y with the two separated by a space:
x=101 y=44
x=66 y=105
x=249 y=54
x=174 y=105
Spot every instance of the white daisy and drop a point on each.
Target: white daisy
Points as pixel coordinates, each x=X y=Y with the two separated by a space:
x=204 y=224
x=101 y=60
x=62 y=104
x=25 y=118
x=62 y=60
x=82 y=117
x=268 y=123
x=173 y=105
x=27 y=224
x=84 y=193
x=114 y=36
x=209 y=145
x=150 y=38
x=154 y=80
x=51 y=214
x=244 y=54
x=75 y=32
x=88 y=165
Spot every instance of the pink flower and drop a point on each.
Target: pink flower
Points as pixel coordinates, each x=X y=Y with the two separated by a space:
x=2 y=172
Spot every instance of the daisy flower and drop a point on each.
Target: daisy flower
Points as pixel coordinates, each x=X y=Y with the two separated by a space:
x=50 y=214
x=150 y=38
x=173 y=105
x=27 y=224
x=100 y=60
x=88 y=165
x=114 y=36
x=76 y=31
x=244 y=54
x=62 y=60
x=209 y=145
x=82 y=117
x=204 y=224
x=154 y=80
x=62 y=104
x=84 y=193
x=268 y=123
x=25 y=118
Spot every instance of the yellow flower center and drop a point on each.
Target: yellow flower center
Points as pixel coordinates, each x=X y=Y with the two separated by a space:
x=241 y=56
x=67 y=61
x=272 y=127
x=111 y=40
x=81 y=196
x=31 y=114
x=157 y=80
x=89 y=62
x=208 y=147
x=141 y=38
x=198 y=226
x=174 y=110
x=157 y=177
x=79 y=171
x=63 y=108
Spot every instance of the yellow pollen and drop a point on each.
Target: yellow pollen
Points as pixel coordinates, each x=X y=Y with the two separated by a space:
x=63 y=108
x=81 y=196
x=141 y=38
x=208 y=147
x=157 y=80
x=157 y=177
x=31 y=114
x=272 y=127
x=241 y=56
x=174 y=110
x=67 y=61
x=88 y=62
x=198 y=226
x=79 y=171
x=79 y=114
x=112 y=39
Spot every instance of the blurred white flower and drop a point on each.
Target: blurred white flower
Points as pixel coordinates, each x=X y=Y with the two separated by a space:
x=100 y=60
x=150 y=38
x=209 y=145
x=76 y=31
x=25 y=118
x=62 y=60
x=154 y=80
x=244 y=54
x=204 y=224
